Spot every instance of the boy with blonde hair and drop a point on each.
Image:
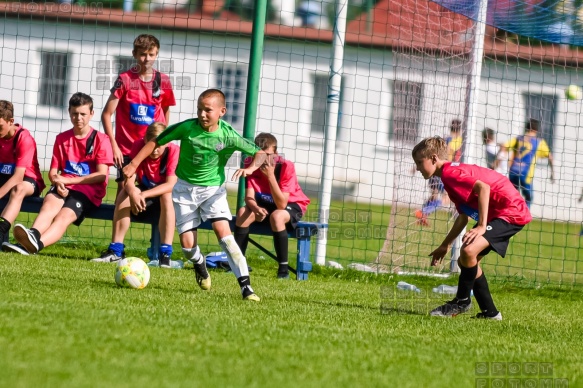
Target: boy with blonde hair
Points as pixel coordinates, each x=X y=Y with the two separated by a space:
x=491 y=200
x=207 y=143
x=148 y=191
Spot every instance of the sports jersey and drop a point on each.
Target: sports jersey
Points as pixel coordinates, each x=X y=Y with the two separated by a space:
x=150 y=173
x=505 y=201
x=288 y=183
x=69 y=157
x=526 y=150
x=140 y=104
x=203 y=154
x=21 y=154
x=454 y=148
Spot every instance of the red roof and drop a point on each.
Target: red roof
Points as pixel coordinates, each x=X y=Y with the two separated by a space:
x=418 y=24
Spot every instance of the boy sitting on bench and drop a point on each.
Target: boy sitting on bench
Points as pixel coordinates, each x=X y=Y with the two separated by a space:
x=155 y=177
x=273 y=195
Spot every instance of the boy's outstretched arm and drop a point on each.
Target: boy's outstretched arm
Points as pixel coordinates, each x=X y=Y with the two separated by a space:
x=458 y=226
x=130 y=169
x=482 y=190
x=258 y=160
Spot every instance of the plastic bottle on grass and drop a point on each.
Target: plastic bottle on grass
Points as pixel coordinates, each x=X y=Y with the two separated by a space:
x=407 y=287
x=445 y=289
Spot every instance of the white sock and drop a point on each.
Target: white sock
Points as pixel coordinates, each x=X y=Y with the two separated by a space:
x=192 y=254
x=237 y=261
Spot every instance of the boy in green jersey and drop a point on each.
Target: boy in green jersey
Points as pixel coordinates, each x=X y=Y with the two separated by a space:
x=207 y=143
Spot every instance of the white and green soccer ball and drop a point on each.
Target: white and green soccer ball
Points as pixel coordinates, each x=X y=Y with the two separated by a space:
x=132 y=272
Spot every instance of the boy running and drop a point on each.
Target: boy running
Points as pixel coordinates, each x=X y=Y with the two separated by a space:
x=207 y=143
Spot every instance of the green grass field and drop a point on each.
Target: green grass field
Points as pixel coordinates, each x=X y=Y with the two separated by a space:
x=66 y=324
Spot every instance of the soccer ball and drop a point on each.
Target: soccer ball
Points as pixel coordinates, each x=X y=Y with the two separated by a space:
x=132 y=272
x=573 y=92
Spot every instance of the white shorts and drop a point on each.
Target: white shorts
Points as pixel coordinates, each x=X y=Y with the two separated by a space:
x=196 y=204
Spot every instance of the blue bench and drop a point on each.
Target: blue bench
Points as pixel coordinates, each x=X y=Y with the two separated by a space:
x=303 y=232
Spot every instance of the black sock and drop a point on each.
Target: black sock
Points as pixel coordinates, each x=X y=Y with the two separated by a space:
x=4 y=225
x=245 y=284
x=280 y=242
x=36 y=235
x=4 y=229
x=242 y=238
x=483 y=296
x=466 y=281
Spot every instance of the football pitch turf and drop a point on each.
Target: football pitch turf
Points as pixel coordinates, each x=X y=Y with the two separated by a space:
x=65 y=323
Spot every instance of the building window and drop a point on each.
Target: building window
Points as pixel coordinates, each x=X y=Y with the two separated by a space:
x=407 y=97
x=542 y=107
x=320 y=99
x=320 y=103
x=53 y=82
x=232 y=81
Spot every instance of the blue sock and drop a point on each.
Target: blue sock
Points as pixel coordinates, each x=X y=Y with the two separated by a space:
x=117 y=248
x=166 y=249
x=431 y=206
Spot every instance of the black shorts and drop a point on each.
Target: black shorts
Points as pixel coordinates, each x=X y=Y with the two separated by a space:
x=294 y=210
x=76 y=201
x=4 y=179
x=498 y=234
x=126 y=161
x=153 y=211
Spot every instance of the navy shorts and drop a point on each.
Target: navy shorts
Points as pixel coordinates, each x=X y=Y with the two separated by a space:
x=153 y=208
x=126 y=161
x=76 y=201
x=498 y=234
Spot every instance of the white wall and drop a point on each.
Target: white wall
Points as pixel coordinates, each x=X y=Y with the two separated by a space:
x=366 y=158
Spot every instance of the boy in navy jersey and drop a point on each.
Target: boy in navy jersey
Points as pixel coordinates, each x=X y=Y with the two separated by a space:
x=491 y=200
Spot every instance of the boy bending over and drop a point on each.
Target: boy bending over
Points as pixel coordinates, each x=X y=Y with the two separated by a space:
x=489 y=199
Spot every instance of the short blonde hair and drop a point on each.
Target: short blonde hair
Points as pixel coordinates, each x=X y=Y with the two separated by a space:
x=154 y=130
x=431 y=146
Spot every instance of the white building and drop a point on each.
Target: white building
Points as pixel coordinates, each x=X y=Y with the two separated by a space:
x=51 y=51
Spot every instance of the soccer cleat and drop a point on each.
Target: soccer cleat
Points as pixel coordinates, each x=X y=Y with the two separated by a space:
x=17 y=248
x=252 y=297
x=108 y=256
x=203 y=278
x=282 y=276
x=452 y=308
x=26 y=238
x=164 y=260
x=483 y=315
x=248 y=294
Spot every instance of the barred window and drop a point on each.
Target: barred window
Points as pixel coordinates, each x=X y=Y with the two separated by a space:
x=53 y=81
